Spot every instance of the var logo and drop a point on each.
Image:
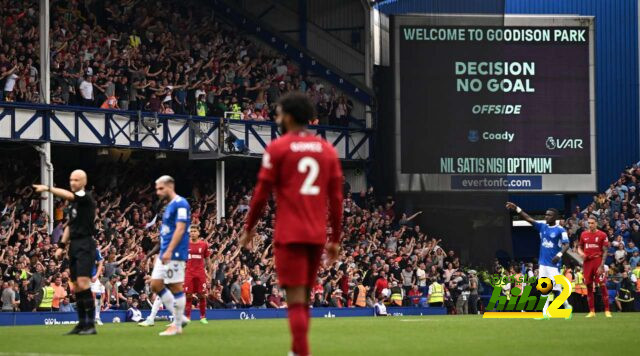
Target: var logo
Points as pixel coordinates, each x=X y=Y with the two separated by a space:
x=563 y=143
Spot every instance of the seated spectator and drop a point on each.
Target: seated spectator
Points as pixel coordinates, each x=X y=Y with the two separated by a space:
x=318 y=301
x=144 y=303
x=275 y=299
x=133 y=313
x=620 y=254
x=380 y=308
x=414 y=295
x=214 y=300
x=337 y=299
x=66 y=306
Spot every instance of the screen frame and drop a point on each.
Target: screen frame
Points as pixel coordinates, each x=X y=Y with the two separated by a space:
x=551 y=183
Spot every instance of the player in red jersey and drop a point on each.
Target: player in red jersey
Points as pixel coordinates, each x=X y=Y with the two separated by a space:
x=305 y=173
x=593 y=246
x=195 y=280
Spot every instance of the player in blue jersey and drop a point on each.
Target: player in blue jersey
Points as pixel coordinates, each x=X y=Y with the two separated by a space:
x=167 y=277
x=554 y=242
x=96 y=286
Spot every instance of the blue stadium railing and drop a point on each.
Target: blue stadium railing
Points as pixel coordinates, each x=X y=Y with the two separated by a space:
x=21 y=122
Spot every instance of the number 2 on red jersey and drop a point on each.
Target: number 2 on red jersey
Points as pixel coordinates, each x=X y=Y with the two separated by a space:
x=309 y=166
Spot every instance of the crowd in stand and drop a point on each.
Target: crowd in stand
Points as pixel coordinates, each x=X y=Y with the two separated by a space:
x=384 y=252
x=618 y=213
x=386 y=258
x=172 y=57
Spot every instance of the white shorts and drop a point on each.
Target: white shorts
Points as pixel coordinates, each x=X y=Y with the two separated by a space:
x=172 y=272
x=97 y=287
x=550 y=272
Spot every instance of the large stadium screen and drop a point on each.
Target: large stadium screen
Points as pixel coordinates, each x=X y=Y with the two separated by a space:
x=482 y=107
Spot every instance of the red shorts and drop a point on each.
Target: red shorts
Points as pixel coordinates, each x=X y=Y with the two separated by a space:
x=195 y=283
x=591 y=272
x=297 y=264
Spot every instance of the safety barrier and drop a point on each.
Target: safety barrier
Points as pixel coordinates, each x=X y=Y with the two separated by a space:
x=59 y=124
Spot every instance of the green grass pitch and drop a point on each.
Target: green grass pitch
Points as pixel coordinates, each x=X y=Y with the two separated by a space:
x=428 y=335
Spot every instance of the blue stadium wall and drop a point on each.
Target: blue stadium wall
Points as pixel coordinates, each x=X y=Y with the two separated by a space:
x=617 y=73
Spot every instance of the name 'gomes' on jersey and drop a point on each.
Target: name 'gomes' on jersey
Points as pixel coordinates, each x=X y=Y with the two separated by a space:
x=178 y=210
x=551 y=240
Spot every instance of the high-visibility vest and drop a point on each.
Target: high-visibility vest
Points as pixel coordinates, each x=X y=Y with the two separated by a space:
x=237 y=111
x=134 y=41
x=580 y=287
x=636 y=272
x=396 y=296
x=47 y=297
x=361 y=301
x=437 y=294
x=201 y=108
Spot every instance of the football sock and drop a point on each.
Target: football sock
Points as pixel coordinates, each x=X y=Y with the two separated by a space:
x=155 y=307
x=80 y=310
x=167 y=300
x=86 y=307
x=590 y=297
x=188 y=306
x=97 y=306
x=202 y=303
x=299 y=325
x=605 y=296
x=178 y=313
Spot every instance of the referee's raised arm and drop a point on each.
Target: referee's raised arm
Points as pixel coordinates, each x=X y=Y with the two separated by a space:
x=77 y=182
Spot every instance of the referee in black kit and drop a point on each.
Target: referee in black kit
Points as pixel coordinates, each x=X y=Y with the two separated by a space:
x=78 y=236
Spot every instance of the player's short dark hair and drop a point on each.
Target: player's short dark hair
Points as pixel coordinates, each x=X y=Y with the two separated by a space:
x=298 y=106
x=554 y=211
x=592 y=217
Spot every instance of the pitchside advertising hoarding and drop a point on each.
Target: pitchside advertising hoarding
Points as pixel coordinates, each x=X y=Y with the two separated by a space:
x=60 y=318
x=494 y=104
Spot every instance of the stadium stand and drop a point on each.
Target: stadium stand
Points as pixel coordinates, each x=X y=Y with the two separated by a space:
x=395 y=260
x=381 y=247
x=165 y=58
